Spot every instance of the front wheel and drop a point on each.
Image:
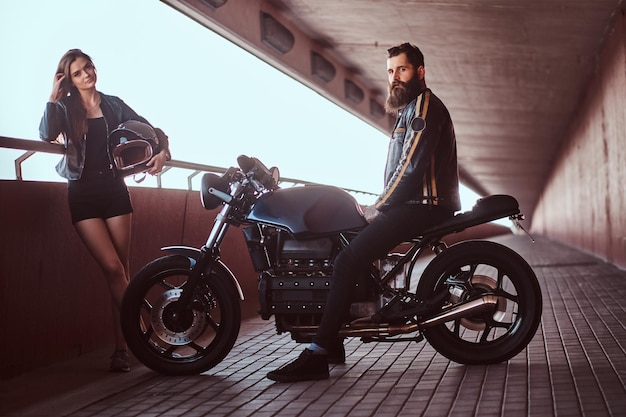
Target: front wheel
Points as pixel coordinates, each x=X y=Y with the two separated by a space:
x=173 y=341
x=469 y=270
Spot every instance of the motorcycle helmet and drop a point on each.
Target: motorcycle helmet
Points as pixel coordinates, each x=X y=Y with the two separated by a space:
x=134 y=143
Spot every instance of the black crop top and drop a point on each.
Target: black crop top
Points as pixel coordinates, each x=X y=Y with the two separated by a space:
x=96 y=156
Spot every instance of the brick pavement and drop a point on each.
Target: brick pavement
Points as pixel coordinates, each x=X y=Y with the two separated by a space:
x=575 y=366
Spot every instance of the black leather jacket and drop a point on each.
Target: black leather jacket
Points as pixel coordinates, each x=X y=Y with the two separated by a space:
x=422 y=161
x=56 y=120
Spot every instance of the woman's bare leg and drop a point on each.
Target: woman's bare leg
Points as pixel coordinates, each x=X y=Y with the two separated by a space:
x=109 y=243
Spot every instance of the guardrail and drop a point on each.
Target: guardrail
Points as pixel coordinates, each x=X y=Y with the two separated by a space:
x=33 y=146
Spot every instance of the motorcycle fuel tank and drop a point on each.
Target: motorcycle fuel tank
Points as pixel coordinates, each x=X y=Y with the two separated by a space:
x=309 y=210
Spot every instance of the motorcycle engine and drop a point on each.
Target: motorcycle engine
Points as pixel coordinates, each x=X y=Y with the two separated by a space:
x=295 y=276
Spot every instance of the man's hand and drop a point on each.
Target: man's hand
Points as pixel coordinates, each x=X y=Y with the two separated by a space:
x=370 y=213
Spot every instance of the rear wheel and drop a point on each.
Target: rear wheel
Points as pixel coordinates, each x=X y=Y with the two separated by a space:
x=472 y=269
x=172 y=342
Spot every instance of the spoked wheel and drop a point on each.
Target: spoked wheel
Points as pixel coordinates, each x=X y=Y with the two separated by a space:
x=470 y=270
x=173 y=341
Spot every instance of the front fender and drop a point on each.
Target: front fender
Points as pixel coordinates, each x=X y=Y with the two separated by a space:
x=194 y=253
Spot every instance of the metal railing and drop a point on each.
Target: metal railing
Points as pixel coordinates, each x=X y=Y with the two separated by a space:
x=33 y=146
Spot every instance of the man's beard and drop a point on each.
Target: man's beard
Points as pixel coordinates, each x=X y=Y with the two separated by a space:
x=401 y=94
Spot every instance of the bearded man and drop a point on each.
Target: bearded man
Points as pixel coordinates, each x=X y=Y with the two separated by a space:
x=421 y=190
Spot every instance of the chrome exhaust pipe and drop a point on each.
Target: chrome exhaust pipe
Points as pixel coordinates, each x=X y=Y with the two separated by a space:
x=365 y=328
x=484 y=304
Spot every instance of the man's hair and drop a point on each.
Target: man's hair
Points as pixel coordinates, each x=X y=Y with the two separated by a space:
x=413 y=53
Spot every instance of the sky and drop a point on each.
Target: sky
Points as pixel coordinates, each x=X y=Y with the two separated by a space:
x=214 y=100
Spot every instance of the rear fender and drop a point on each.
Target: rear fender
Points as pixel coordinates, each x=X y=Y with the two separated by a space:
x=194 y=253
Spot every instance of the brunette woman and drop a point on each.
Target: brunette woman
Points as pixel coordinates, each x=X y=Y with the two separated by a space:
x=81 y=117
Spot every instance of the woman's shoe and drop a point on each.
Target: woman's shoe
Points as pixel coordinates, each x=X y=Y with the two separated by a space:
x=120 y=361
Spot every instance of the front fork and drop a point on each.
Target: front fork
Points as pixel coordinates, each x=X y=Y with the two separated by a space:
x=203 y=262
x=206 y=259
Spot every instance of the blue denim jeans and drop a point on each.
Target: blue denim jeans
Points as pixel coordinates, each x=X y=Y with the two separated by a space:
x=390 y=228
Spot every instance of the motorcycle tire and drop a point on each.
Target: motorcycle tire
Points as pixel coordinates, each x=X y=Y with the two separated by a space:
x=168 y=342
x=468 y=270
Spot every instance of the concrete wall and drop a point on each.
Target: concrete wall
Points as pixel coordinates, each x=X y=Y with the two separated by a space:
x=584 y=199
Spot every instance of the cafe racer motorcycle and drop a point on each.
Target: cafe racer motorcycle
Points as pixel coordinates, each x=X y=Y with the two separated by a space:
x=475 y=302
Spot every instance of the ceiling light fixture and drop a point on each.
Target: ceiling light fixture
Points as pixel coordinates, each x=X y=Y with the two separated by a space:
x=353 y=92
x=322 y=68
x=275 y=35
x=214 y=4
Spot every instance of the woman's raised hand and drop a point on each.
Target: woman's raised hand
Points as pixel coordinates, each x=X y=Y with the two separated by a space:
x=57 y=88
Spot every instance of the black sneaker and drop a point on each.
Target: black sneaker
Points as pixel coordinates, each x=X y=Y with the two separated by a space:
x=120 y=361
x=307 y=367
x=337 y=353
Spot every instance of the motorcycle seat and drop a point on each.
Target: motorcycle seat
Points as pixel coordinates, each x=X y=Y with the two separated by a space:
x=486 y=209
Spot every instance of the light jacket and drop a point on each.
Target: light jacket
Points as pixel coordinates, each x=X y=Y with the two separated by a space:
x=56 y=121
x=422 y=161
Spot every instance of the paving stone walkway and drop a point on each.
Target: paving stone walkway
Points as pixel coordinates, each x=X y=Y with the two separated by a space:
x=575 y=366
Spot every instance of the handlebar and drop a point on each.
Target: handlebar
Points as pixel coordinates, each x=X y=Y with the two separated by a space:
x=216 y=190
x=256 y=170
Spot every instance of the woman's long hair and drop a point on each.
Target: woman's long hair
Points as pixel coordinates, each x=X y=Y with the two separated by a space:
x=76 y=109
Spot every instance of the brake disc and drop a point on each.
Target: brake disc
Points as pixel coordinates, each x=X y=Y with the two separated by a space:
x=170 y=326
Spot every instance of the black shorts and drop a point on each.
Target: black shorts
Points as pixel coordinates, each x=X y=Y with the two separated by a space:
x=98 y=195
